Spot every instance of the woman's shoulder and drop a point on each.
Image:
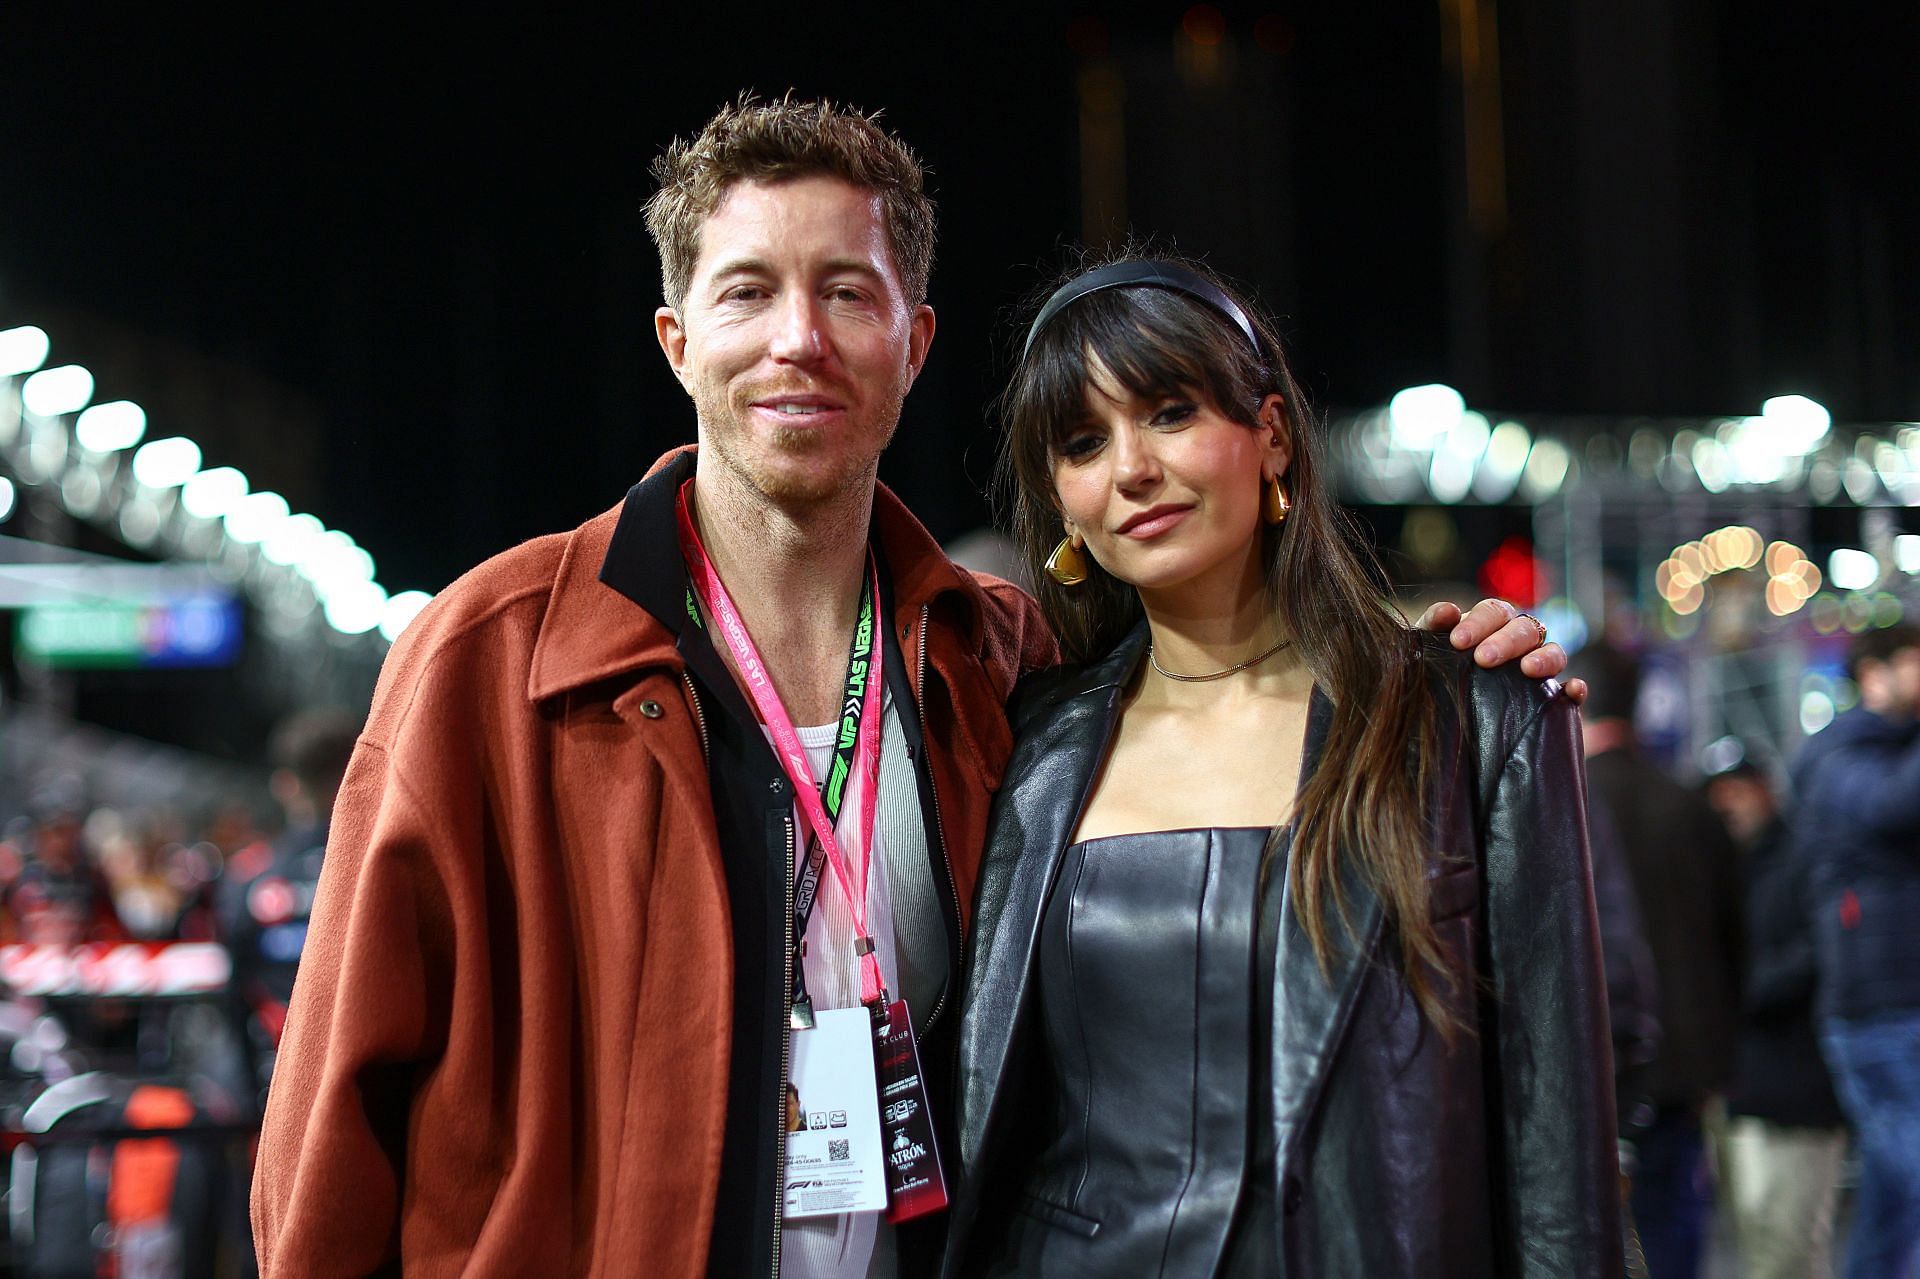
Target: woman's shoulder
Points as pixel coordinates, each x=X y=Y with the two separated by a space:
x=1500 y=703
x=1038 y=692
x=1044 y=694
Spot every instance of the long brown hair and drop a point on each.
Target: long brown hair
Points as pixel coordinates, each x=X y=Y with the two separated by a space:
x=1367 y=795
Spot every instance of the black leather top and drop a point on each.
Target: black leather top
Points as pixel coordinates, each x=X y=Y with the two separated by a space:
x=1147 y=985
x=1401 y=1153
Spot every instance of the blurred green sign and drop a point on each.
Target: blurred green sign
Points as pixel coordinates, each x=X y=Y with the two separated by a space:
x=203 y=631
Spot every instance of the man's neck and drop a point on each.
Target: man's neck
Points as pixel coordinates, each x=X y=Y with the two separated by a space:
x=795 y=576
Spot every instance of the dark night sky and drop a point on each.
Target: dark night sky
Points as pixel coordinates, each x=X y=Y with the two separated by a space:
x=428 y=232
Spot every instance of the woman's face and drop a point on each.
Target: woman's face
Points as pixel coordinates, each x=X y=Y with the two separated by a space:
x=1166 y=491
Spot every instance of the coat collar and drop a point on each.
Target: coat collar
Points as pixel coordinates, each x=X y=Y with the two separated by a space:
x=618 y=602
x=1067 y=733
x=1063 y=735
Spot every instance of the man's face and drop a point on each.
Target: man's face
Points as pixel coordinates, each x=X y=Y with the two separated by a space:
x=1905 y=670
x=1892 y=687
x=795 y=339
x=1745 y=804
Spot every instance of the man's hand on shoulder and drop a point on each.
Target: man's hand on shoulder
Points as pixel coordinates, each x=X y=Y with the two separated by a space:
x=1497 y=632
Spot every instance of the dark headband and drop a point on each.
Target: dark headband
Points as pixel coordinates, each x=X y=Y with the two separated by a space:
x=1142 y=273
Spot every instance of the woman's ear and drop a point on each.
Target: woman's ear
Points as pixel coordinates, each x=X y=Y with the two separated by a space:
x=1276 y=432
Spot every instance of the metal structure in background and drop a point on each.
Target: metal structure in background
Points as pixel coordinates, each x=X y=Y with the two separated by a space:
x=1737 y=554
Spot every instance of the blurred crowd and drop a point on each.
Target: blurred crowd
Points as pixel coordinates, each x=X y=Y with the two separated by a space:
x=1764 y=977
x=93 y=1059
x=1762 y=959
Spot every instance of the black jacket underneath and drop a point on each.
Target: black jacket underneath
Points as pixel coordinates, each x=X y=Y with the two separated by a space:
x=1686 y=877
x=1398 y=1154
x=753 y=816
x=1778 y=1071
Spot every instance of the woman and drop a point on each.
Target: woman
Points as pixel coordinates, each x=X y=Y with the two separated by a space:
x=1218 y=1023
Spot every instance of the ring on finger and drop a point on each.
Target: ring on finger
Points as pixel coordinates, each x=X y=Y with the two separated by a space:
x=1538 y=625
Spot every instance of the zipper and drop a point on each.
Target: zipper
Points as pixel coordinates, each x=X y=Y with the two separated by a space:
x=699 y=716
x=939 y=834
x=786 y=1054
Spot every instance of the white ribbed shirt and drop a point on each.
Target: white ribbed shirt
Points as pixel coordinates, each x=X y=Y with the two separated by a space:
x=861 y=1245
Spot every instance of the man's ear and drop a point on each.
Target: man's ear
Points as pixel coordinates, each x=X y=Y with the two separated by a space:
x=919 y=341
x=1276 y=428
x=672 y=336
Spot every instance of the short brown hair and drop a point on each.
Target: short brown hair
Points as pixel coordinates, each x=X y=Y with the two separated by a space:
x=1879 y=645
x=315 y=745
x=752 y=140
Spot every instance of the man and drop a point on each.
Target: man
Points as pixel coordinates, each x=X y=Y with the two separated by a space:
x=1785 y=1137
x=265 y=897
x=59 y=894
x=1859 y=831
x=543 y=1025
x=1686 y=880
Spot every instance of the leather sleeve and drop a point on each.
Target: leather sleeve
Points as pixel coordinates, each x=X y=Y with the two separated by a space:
x=376 y=967
x=1549 y=1054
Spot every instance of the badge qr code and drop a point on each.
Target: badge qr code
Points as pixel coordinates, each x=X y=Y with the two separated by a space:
x=836 y=1162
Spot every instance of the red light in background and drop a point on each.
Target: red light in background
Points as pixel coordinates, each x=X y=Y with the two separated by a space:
x=1204 y=25
x=1513 y=574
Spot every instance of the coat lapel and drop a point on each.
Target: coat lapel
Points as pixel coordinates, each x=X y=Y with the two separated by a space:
x=1312 y=1007
x=1031 y=830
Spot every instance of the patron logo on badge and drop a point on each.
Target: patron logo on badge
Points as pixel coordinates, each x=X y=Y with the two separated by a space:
x=905 y=1150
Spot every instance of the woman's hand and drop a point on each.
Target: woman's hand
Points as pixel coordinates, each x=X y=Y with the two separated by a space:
x=1498 y=632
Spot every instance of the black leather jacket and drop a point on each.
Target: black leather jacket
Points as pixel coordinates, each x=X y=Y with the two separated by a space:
x=1398 y=1155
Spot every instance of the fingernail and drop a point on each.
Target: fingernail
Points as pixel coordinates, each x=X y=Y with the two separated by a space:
x=1484 y=653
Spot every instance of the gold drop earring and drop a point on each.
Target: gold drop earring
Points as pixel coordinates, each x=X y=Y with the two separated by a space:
x=1068 y=563
x=1273 y=502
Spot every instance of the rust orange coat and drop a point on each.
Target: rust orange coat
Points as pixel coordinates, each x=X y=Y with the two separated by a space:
x=508 y=1046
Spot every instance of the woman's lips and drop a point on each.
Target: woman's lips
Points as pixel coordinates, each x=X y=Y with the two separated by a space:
x=1152 y=523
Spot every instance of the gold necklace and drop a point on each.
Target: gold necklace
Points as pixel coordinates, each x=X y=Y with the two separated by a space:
x=1202 y=679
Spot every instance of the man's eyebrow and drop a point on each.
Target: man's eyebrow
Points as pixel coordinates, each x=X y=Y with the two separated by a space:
x=860 y=266
x=760 y=266
x=742 y=266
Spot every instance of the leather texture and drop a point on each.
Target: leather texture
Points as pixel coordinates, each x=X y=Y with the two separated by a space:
x=1145 y=1017
x=1399 y=1153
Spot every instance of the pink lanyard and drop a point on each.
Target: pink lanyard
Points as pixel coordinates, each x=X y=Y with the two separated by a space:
x=793 y=756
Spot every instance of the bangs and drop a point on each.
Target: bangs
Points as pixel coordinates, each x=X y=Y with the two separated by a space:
x=1156 y=344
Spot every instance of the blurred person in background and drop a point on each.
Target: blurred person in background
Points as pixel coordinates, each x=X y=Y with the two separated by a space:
x=1633 y=988
x=147 y=900
x=1858 y=829
x=263 y=902
x=1785 y=1135
x=1686 y=878
x=59 y=895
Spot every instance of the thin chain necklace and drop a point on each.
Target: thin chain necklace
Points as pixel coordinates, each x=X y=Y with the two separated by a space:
x=1213 y=675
